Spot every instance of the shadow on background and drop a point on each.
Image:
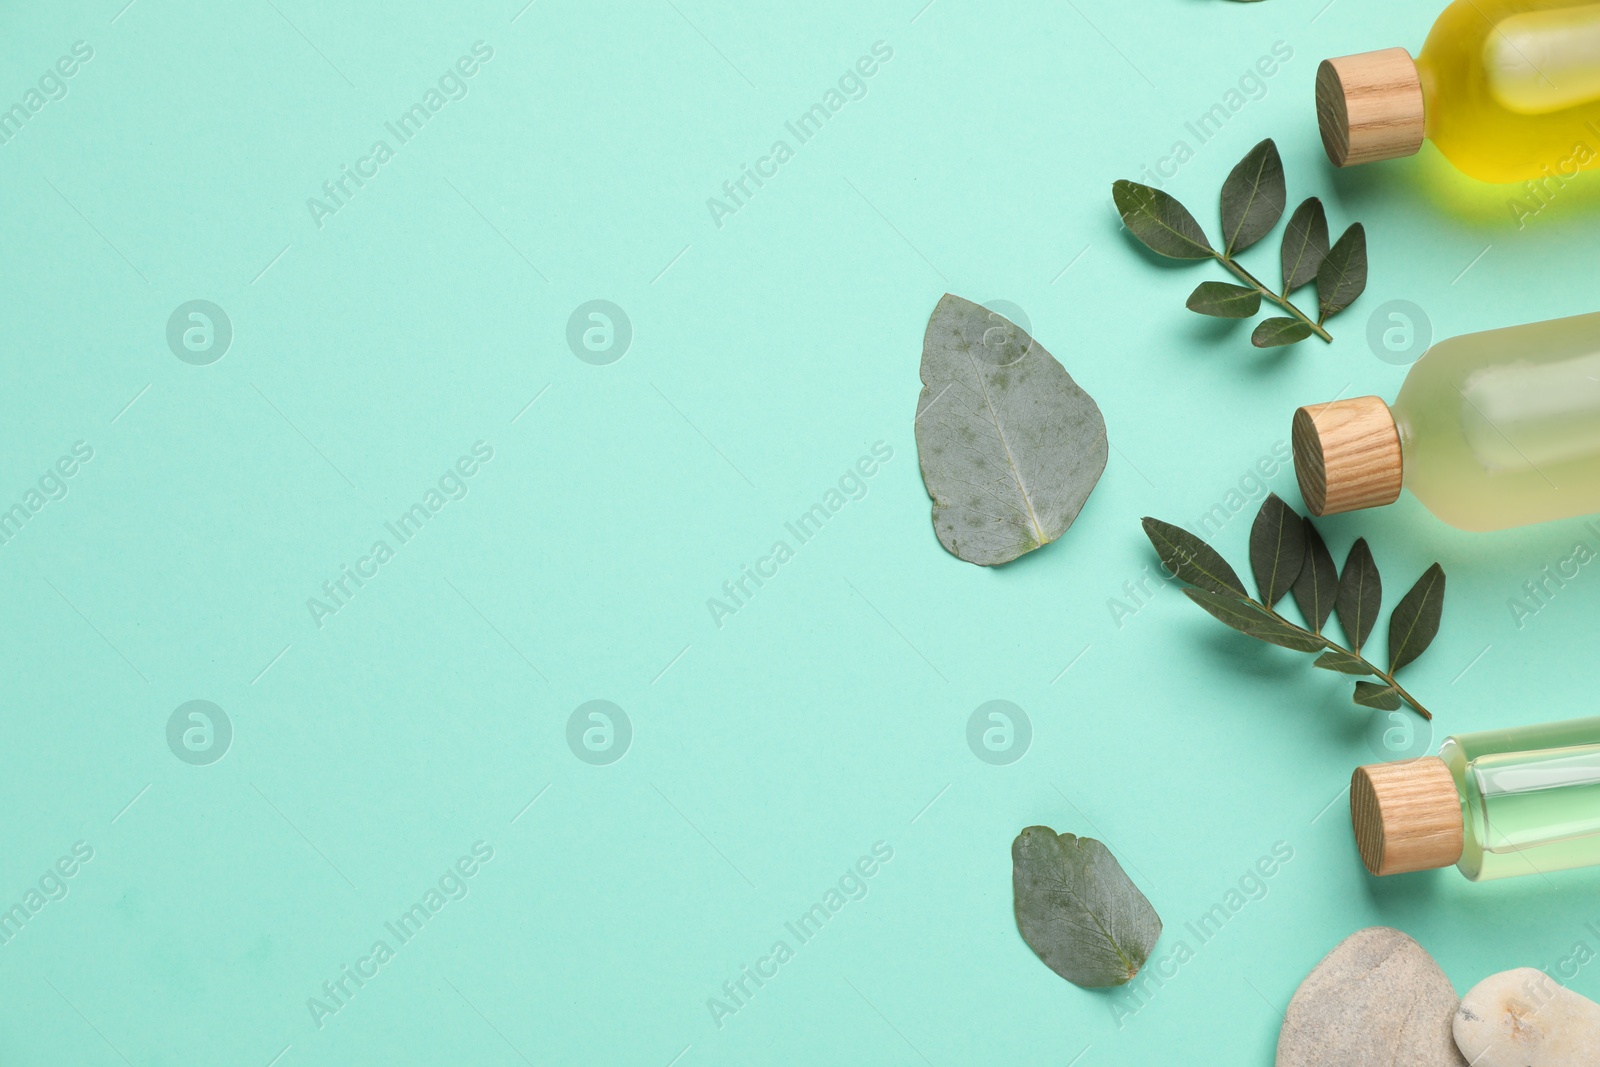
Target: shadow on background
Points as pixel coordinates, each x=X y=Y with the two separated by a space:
x=1571 y=898
x=1429 y=182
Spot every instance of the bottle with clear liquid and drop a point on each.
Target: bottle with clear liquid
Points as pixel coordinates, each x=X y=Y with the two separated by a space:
x=1490 y=430
x=1507 y=90
x=1496 y=804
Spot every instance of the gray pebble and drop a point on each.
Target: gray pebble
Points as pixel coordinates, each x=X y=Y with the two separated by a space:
x=1376 y=1000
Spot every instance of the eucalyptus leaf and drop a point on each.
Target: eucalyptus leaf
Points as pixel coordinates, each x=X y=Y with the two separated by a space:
x=1318 y=582
x=1373 y=695
x=1187 y=557
x=1305 y=244
x=1341 y=661
x=1343 y=272
x=1245 y=617
x=1416 y=618
x=1360 y=595
x=1277 y=548
x=1224 y=300
x=1010 y=446
x=1252 y=198
x=1279 y=331
x=1164 y=225
x=1078 y=909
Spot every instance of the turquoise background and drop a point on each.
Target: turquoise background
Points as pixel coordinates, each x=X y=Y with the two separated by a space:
x=768 y=754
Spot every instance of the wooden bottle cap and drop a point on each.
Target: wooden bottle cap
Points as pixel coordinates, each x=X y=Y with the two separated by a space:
x=1347 y=455
x=1370 y=106
x=1406 y=815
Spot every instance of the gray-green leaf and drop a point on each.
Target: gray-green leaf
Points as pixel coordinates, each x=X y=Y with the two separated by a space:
x=1360 y=595
x=1342 y=662
x=1248 y=619
x=1305 y=244
x=1318 y=581
x=1277 y=548
x=1187 y=557
x=1343 y=273
x=1416 y=618
x=1010 y=446
x=1252 y=197
x=1279 y=331
x=1163 y=224
x=1373 y=695
x=1078 y=909
x=1224 y=300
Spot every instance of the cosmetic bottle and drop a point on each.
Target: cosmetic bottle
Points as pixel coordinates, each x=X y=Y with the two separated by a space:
x=1507 y=90
x=1490 y=430
x=1498 y=803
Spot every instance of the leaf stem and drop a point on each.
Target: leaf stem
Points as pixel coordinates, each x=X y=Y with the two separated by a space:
x=1282 y=301
x=1334 y=646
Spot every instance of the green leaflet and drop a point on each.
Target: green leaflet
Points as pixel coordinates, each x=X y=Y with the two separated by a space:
x=1416 y=618
x=1277 y=548
x=1318 y=582
x=1382 y=697
x=1224 y=300
x=1360 y=595
x=1279 y=331
x=1305 y=244
x=1252 y=198
x=1164 y=225
x=1342 y=661
x=1248 y=618
x=1186 y=556
x=1343 y=273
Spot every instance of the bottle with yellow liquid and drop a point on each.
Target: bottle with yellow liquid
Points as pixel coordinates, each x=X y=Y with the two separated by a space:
x=1495 y=804
x=1490 y=430
x=1508 y=90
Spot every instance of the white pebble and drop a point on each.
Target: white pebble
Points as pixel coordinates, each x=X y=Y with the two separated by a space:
x=1525 y=1018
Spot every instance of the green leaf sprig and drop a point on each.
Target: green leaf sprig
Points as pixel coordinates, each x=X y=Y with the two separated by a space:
x=1288 y=556
x=1253 y=199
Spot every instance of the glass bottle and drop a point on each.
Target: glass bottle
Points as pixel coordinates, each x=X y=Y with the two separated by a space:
x=1498 y=803
x=1490 y=430
x=1508 y=90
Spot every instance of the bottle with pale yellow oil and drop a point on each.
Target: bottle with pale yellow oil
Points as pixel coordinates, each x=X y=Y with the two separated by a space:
x=1497 y=803
x=1490 y=430
x=1507 y=90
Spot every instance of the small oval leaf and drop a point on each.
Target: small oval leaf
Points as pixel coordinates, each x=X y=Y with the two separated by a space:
x=1249 y=619
x=1360 y=595
x=1373 y=695
x=1318 y=581
x=1078 y=909
x=1342 y=662
x=1277 y=332
x=1252 y=198
x=1343 y=273
x=1224 y=300
x=1187 y=557
x=1305 y=244
x=1277 y=548
x=1415 y=621
x=1155 y=218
